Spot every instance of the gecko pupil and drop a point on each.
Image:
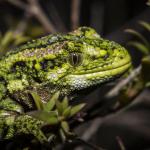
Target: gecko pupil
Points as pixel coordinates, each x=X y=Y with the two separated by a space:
x=75 y=59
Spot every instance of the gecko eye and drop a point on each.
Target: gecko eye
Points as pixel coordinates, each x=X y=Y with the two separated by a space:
x=75 y=59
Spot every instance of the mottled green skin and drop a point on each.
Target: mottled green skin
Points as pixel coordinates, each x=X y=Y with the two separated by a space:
x=70 y=62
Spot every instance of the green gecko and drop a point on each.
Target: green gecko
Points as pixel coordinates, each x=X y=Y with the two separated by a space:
x=60 y=62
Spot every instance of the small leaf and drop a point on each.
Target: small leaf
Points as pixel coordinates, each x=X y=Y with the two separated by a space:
x=139 y=35
x=20 y=40
x=66 y=112
x=62 y=135
x=140 y=47
x=65 y=126
x=7 y=38
x=48 y=117
x=51 y=103
x=76 y=109
x=65 y=103
x=145 y=25
x=51 y=138
x=59 y=107
x=37 y=100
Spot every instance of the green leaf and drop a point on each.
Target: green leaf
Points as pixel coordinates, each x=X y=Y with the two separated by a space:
x=140 y=46
x=76 y=109
x=145 y=25
x=139 y=35
x=62 y=135
x=66 y=112
x=51 y=103
x=20 y=39
x=37 y=100
x=59 y=107
x=65 y=126
x=48 y=117
x=51 y=137
x=65 y=103
x=7 y=38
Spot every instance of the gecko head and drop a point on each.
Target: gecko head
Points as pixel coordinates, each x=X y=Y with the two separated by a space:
x=83 y=59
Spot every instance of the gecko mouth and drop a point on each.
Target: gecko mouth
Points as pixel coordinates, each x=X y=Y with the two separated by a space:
x=98 y=75
x=114 y=67
x=109 y=72
x=82 y=81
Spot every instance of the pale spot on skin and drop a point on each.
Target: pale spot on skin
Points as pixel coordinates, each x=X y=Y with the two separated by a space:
x=15 y=85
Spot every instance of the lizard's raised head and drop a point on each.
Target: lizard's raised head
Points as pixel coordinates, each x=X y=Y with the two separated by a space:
x=69 y=62
x=82 y=59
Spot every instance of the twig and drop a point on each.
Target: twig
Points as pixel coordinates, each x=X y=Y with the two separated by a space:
x=75 y=11
x=37 y=11
x=34 y=9
x=92 y=129
x=108 y=98
x=22 y=25
x=56 y=18
x=119 y=140
x=19 y=4
x=115 y=91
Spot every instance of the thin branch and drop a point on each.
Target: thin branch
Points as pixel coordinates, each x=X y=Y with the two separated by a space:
x=34 y=9
x=92 y=129
x=22 y=25
x=120 y=142
x=115 y=91
x=37 y=11
x=19 y=4
x=105 y=106
x=56 y=18
x=75 y=13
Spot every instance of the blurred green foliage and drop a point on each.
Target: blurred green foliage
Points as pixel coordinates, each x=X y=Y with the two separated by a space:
x=143 y=45
x=10 y=39
x=13 y=38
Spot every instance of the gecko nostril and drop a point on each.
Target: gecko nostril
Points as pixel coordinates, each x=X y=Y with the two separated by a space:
x=93 y=57
x=121 y=57
x=106 y=56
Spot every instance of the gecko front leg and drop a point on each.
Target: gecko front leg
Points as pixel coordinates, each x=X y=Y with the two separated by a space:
x=13 y=121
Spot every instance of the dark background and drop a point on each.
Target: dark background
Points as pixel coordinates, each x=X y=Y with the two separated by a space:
x=105 y=16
